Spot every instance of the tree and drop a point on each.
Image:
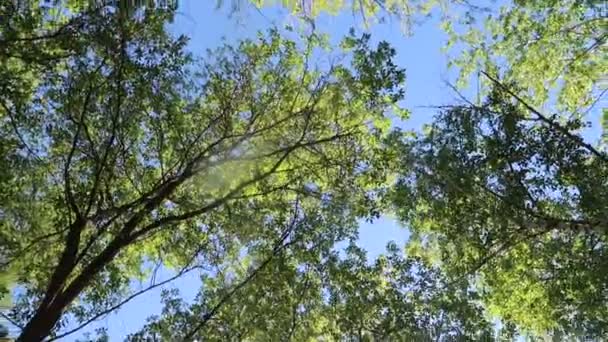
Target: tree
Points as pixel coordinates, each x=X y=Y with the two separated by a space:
x=316 y=294
x=122 y=153
x=514 y=200
x=129 y=148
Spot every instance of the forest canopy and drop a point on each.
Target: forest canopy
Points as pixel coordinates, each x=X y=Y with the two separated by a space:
x=249 y=169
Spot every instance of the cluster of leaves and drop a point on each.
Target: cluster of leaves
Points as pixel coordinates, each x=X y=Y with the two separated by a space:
x=368 y=12
x=516 y=195
x=553 y=49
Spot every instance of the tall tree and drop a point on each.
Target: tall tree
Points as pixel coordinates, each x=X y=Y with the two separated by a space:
x=515 y=200
x=133 y=154
x=512 y=187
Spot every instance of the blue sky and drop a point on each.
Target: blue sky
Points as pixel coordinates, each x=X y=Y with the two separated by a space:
x=207 y=26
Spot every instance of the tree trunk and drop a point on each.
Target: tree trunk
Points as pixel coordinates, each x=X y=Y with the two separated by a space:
x=40 y=326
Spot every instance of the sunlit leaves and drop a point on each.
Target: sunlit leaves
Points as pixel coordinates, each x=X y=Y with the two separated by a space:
x=552 y=49
x=331 y=295
x=513 y=201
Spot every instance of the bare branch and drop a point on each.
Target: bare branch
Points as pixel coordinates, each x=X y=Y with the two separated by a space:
x=10 y=320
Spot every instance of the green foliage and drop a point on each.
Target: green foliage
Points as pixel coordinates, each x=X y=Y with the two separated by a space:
x=6 y=282
x=515 y=201
x=604 y=121
x=121 y=153
x=312 y=293
x=553 y=50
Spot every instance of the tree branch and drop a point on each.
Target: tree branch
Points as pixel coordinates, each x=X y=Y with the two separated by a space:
x=10 y=320
x=574 y=138
x=280 y=246
x=186 y=269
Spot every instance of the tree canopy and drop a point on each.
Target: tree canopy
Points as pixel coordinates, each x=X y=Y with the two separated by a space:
x=520 y=200
x=329 y=298
x=123 y=153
